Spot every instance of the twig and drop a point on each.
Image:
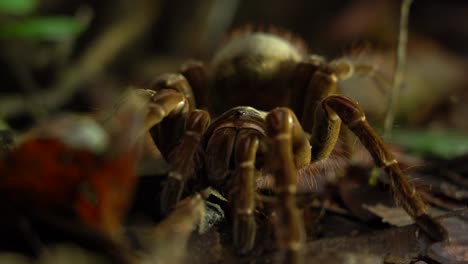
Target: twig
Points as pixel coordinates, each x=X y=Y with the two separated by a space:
x=398 y=77
x=94 y=60
x=27 y=83
x=204 y=26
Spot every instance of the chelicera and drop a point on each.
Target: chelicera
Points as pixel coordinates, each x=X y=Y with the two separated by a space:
x=277 y=110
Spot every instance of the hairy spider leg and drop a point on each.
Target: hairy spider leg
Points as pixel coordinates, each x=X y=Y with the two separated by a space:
x=404 y=192
x=289 y=151
x=243 y=194
x=234 y=144
x=184 y=161
x=322 y=81
x=163 y=104
x=167 y=133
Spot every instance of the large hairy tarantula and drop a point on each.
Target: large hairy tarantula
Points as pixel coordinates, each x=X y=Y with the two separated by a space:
x=276 y=111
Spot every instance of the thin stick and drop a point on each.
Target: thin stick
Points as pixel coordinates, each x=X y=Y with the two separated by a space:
x=94 y=60
x=398 y=77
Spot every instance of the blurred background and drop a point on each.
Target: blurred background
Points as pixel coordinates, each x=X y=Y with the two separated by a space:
x=78 y=55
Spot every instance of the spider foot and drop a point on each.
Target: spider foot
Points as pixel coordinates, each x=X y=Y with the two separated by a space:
x=244 y=231
x=433 y=228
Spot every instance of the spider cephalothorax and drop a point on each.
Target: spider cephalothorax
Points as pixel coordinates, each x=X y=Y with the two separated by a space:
x=277 y=111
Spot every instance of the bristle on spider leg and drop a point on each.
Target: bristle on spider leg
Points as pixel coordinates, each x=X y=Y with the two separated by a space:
x=311 y=178
x=404 y=192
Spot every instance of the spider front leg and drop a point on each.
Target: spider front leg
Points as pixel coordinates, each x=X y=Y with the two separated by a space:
x=167 y=133
x=179 y=134
x=184 y=160
x=290 y=151
x=243 y=194
x=404 y=192
x=162 y=104
x=172 y=106
x=322 y=81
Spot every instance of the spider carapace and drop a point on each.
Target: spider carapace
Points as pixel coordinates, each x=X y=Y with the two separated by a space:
x=277 y=110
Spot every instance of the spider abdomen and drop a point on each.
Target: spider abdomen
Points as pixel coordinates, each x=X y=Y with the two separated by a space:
x=253 y=69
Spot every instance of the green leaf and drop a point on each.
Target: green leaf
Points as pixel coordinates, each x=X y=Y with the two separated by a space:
x=3 y=125
x=17 y=7
x=444 y=144
x=374 y=177
x=43 y=28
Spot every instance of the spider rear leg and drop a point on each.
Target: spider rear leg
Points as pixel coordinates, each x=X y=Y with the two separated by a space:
x=243 y=194
x=183 y=160
x=290 y=151
x=345 y=68
x=404 y=192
